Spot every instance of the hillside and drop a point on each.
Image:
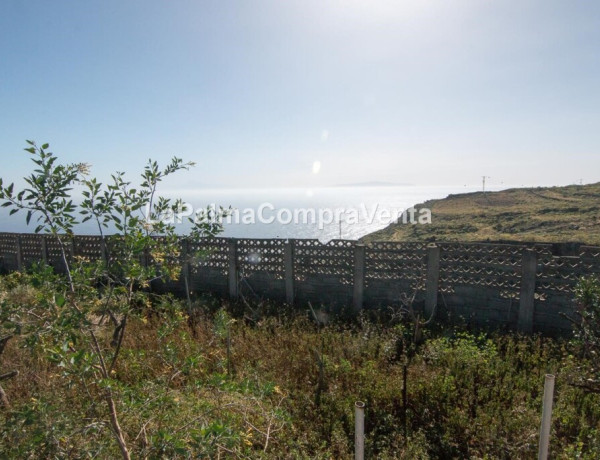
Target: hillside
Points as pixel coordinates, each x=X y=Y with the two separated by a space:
x=544 y=214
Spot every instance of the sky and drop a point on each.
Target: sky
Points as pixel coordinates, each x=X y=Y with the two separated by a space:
x=308 y=93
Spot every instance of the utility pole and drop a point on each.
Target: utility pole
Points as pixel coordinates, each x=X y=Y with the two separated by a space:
x=340 y=227
x=483 y=179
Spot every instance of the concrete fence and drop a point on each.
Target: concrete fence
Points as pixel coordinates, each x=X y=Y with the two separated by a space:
x=528 y=287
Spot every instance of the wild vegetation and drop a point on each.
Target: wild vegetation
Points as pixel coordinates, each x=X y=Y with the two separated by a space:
x=94 y=365
x=542 y=214
x=147 y=246
x=277 y=385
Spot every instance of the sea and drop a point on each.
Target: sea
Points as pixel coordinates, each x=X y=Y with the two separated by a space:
x=326 y=213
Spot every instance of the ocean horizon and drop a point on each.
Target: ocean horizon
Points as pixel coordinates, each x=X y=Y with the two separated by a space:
x=323 y=213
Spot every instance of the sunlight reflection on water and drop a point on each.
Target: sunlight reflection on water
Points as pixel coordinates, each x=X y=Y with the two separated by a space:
x=365 y=201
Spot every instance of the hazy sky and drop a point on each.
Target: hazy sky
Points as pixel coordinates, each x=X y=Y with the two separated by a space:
x=424 y=92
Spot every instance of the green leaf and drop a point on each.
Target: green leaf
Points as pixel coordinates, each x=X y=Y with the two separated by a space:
x=60 y=300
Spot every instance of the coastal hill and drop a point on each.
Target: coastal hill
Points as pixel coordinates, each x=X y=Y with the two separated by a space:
x=542 y=214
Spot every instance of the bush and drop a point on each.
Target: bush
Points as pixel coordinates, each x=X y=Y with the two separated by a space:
x=66 y=322
x=587 y=332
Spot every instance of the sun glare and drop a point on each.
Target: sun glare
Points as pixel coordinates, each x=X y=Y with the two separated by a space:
x=316 y=167
x=381 y=10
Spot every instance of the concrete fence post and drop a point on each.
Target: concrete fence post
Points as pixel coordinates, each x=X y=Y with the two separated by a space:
x=185 y=257
x=71 y=250
x=359 y=277
x=433 y=279
x=19 y=247
x=44 y=249
x=233 y=268
x=186 y=269
x=527 y=295
x=288 y=261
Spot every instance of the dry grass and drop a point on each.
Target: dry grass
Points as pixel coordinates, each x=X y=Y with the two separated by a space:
x=182 y=394
x=554 y=214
